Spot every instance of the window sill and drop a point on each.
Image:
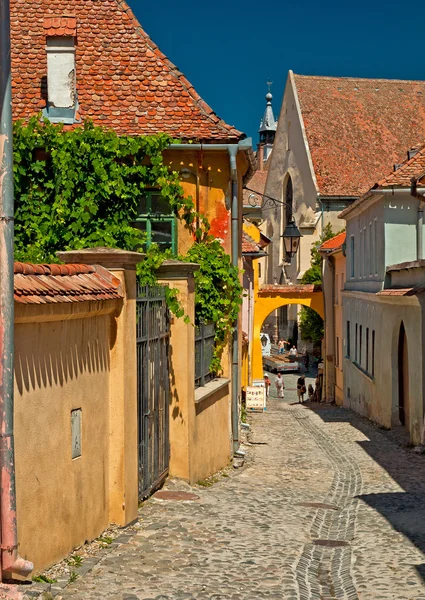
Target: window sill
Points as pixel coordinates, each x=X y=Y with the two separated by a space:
x=204 y=392
x=362 y=371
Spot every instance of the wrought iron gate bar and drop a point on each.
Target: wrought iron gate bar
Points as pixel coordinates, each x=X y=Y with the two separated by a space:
x=153 y=387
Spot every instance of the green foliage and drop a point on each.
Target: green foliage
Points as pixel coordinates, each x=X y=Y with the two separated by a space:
x=81 y=188
x=311 y=324
x=218 y=290
x=43 y=579
x=314 y=273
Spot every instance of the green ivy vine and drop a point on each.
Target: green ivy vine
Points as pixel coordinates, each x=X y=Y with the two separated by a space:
x=82 y=187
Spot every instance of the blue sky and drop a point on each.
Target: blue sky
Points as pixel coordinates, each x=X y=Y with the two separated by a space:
x=229 y=48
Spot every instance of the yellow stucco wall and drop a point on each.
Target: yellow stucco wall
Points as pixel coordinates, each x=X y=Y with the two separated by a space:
x=339 y=274
x=209 y=185
x=264 y=304
x=64 y=360
x=199 y=431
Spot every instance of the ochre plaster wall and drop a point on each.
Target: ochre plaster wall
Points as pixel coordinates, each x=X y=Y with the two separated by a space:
x=200 y=432
x=210 y=449
x=60 y=366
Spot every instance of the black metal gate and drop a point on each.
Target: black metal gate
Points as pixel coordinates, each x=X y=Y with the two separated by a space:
x=153 y=387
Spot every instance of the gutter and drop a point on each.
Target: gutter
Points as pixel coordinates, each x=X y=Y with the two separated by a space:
x=11 y=562
x=233 y=149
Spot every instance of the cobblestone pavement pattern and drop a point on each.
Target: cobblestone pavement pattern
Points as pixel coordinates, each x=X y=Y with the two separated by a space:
x=329 y=507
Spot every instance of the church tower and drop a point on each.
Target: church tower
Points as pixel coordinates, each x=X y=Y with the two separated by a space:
x=267 y=130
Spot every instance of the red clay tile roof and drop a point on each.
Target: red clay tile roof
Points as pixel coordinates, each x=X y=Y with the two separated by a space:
x=334 y=243
x=413 y=168
x=123 y=80
x=45 y=284
x=408 y=170
x=401 y=291
x=249 y=246
x=307 y=288
x=357 y=129
x=257 y=184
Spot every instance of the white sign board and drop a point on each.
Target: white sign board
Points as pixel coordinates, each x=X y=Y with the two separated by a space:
x=258 y=383
x=255 y=398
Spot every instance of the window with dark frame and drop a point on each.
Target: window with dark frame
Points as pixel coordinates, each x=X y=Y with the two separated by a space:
x=352 y=257
x=367 y=350
x=348 y=340
x=360 y=344
x=157 y=219
x=337 y=352
x=373 y=353
x=356 y=343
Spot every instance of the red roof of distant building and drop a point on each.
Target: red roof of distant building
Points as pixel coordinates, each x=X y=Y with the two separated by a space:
x=256 y=184
x=46 y=284
x=123 y=80
x=413 y=168
x=357 y=129
x=335 y=242
x=249 y=246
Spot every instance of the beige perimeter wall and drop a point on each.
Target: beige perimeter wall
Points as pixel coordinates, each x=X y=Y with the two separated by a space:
x=62 y=362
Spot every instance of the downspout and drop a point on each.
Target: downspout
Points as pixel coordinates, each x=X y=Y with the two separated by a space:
x=420 y=233
x=11 y=562
x=233 y=151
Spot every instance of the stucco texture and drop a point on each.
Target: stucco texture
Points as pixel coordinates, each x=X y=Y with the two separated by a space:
x=61 y=366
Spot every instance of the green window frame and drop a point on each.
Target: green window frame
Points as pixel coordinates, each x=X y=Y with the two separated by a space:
x=156 y=218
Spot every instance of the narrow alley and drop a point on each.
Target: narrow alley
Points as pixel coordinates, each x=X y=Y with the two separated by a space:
x=327 y=506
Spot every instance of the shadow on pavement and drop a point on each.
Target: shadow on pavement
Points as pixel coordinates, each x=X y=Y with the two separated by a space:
x=404 y=510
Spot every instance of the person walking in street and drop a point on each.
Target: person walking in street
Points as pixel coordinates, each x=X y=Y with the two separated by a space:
x=280 y=386
x=301 y=389
x=267 y=383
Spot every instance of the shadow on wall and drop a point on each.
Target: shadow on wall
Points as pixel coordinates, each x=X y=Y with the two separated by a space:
x=404 y=510
x=51 y=354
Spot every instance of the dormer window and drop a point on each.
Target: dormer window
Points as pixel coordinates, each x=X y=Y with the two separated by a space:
x=62 y=101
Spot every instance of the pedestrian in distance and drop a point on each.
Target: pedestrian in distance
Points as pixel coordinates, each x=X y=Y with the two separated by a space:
x=301 y=389
x=293 y=351
x=281 y=346
x=267 y=383
x=280 y=386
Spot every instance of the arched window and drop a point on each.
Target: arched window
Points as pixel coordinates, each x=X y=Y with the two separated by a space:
x=289 y=199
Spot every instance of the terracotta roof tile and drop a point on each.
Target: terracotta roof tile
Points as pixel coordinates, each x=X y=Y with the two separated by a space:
x=357 y=129
x=401 y=291
x=408 y=170
x=290 y=289
x=123 y=80
x=257 y=184
x=46 y=284
x=249 y=246
x=334 y=243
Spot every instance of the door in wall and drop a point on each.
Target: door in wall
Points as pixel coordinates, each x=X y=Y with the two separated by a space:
x=403 y=378
x=153 y=387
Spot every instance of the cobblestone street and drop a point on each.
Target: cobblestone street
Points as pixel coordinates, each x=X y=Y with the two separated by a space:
x=327 y=507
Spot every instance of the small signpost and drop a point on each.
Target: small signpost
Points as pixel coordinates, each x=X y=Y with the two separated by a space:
x=256 y=398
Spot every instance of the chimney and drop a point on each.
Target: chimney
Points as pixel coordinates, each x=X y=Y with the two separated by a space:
x=411 y=153
x=260 y=157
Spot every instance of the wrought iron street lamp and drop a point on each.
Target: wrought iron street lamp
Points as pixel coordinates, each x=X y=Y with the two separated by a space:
x=291 y=236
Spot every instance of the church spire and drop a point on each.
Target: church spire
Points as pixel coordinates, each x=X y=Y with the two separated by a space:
x=268 y=125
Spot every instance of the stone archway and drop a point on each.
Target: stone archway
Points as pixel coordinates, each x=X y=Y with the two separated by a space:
x=271 y=297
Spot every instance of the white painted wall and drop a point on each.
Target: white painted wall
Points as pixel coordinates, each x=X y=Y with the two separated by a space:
x=61 y=83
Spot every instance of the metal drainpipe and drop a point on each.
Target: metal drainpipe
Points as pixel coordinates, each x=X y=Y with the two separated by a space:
x=420 y=233
x=233 y=150
x=10 y=560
